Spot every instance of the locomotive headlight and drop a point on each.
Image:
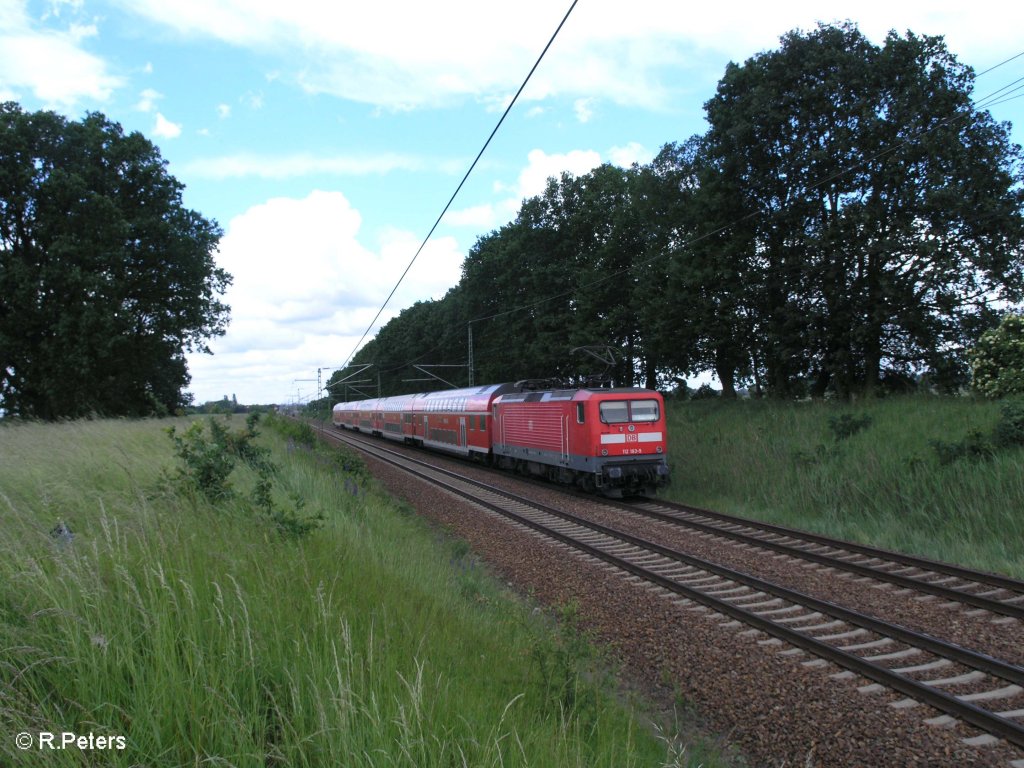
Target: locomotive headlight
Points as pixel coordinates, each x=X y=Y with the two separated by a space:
x=658 y=449
x=632 y=427
x=604 y=451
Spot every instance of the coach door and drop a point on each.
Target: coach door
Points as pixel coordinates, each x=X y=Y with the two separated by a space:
x=462 y=430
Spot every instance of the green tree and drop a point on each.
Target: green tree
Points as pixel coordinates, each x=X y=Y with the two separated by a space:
x=886 y=210
x=517 y=285
x=997 y=362
x=577 y=268
x=106 y=279
x=429 y=333
x=700 y=320
x=617 y=274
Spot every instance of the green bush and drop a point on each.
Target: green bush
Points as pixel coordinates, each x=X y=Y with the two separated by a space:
x=1009 y=430
x=848 y=425
x=997 y=362
x=976 y=445
x=209 y=462
x=1008 y=433
x=299 y=432
x=705 y=392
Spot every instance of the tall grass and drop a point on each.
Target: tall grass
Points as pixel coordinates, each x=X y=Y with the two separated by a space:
x=885 y=484
x=203 y=636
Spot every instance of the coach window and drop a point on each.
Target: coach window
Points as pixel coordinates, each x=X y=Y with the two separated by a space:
x=644 y=410
x=579 y=413
x=614 y=411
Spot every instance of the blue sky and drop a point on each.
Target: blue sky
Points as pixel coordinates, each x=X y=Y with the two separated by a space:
x=326 y=137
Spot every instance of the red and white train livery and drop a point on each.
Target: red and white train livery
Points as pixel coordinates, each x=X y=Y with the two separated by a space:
x=609 y=440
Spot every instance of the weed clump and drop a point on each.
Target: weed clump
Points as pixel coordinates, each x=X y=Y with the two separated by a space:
x=209 y=461
x=1009 y=430
x=975 y=445
x=841 y=428
x=1007 y=434
x=298 y=432
x=561 y=662
x=848 y=425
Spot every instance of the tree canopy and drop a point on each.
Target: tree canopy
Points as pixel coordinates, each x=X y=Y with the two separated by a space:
x=887 y=208
x=106 y=279
x=849 y=221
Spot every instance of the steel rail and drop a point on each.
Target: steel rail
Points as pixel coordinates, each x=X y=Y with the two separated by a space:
x=832 y=561
x=937 y=566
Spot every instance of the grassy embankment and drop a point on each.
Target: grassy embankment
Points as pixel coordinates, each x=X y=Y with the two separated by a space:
x=885 y=484
x=204 y=632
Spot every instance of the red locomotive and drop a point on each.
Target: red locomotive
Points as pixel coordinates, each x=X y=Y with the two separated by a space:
x=609 y=440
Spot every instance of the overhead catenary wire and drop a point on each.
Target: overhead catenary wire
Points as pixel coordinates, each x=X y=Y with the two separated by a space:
x=461 y=183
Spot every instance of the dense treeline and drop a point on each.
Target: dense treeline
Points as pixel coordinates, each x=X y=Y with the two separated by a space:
x=106 y=279
x=849 y=221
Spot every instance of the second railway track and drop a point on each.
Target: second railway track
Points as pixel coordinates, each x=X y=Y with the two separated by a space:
x=997 y=594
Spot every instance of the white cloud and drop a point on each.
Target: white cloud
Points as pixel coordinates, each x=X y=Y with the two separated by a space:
x=165 y=129
x=79 y=32
x=50 y=63
x=148 y=99
x=56 y=7
x=302 y=164
x=305 y=288
x=531 y=181
x=223 y=111
x=430 y=55
x=584 y=109
x=633 y=152
x=433 y=53
x=534 y=178
x=477 y=216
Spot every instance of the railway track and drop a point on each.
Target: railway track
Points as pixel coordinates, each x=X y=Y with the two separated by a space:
x=996 y=594
x=921 y=668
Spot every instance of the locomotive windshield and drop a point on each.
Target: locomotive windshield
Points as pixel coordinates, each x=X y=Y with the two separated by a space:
x=622 y=411
x=614 y=411
x=644 y=410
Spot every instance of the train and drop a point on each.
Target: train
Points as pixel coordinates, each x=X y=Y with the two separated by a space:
x=607 y=440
